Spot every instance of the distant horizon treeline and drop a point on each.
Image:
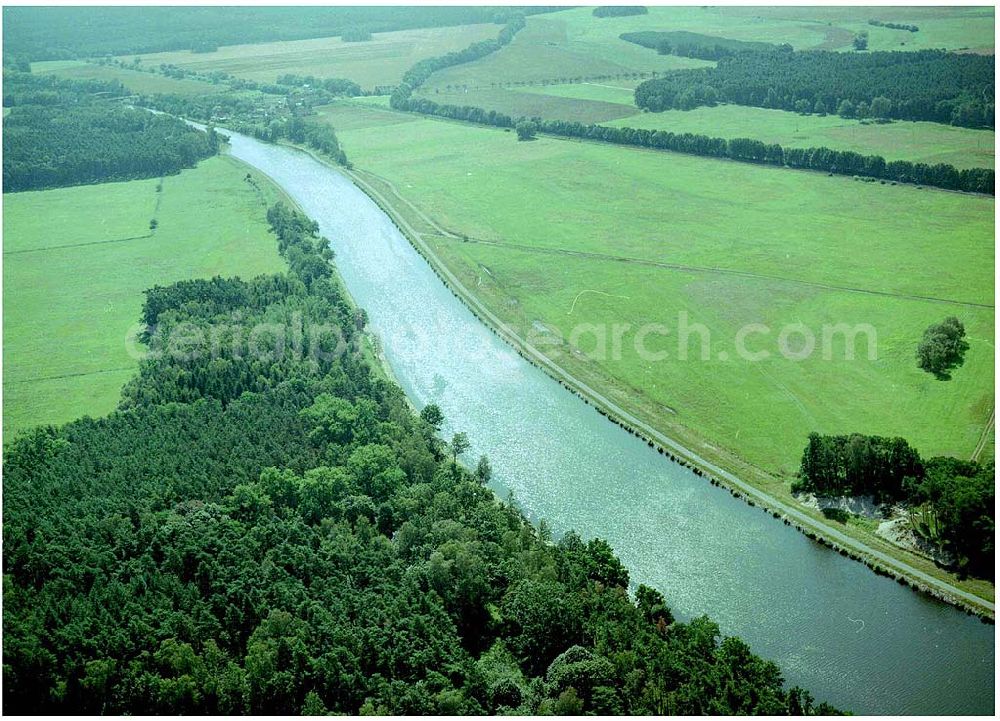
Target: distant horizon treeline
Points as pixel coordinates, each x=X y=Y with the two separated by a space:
x=68 y=33
x=60 y=133
x=932 y=85
x=951 y=500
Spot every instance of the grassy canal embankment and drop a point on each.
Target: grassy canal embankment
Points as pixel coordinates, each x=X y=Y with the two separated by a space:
x=461 y=227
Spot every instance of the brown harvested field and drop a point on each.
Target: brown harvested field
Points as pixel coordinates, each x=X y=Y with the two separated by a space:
x=380 y=61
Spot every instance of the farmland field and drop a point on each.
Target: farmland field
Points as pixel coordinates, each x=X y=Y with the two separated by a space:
x=544 y=51
x=611 y=103
x=805 y=28
x=640 y=236
x=380 y=61
x=531 y=102
x=77 y=260
x=900 y=140
x=135 y=80
x=573 y=44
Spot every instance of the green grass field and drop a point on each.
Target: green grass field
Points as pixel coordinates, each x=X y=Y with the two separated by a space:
x=544 y=52
x=611 y=103
x=901 y=140
x=380 y=61
x=531 y=102
x=564 y=232
x=73 y=287
x=135 y=80
x=805 y=28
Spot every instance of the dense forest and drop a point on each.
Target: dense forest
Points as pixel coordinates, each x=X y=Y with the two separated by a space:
x=60 y=33
x=951 y=501
x=694 y=45
x=62 y=132
x=921 y=85
x=265 y=526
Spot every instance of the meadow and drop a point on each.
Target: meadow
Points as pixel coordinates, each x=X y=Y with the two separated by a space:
x=380 y=61
x=554 y=233
x=805 y=28
x=570 y=66
x=573 y=44
x=536 y=102
x=611 y=102
x=135 y=80
x=76 y=263
x=899 y=140
x=544 y=52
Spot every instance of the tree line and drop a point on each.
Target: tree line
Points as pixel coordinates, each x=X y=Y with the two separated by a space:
x=418 y=74
x=894 y=26
x=285 y=535
x=619 y=11
x=245 y=115
x=696 y=45
x=63 y=33
x=334 y=86
x=747 y=150
x=74 y=137
x=932 y=85
x=951 y=501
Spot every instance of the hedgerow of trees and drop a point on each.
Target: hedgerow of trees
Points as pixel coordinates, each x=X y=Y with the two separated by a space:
x=932 y=85
x=951 y=501
x=66 y=134
x=619 y=11
x=894 y=26
x=747 y=150
x=282 y=534
x=695 y=45
x=418 y=74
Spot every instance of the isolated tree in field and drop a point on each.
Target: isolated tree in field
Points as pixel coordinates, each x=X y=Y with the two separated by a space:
x=942 y=348
x=860 y=41
x=526 y=130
